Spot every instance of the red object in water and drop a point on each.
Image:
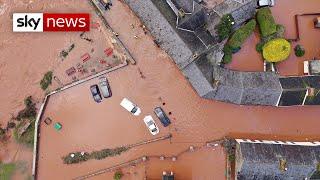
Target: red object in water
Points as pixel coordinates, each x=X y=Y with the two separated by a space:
x=70 y=71
x=108 y=51
x=102 y=61
x=85 y=57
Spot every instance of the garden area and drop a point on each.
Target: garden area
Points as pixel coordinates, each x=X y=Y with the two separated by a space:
x=261 y=39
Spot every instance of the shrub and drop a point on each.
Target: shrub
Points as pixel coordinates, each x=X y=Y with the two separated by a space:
x=276 y=50
x=78 y=157
x=238 y=38
x=227 y=58
x=117 y=175
x=27 y=137
x=259 y=47
x=2 y=133
x=266 y=22
x=104 y=153
x=46 y=80
x=107 y=153
x=299 y=51
x=224 y=28
x=30 y=110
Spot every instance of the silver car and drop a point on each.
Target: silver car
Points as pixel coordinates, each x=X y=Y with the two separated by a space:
x=105 y=87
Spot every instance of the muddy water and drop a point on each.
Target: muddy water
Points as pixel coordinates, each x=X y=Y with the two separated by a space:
x=89 y=126
x=25 y=57
x=308 y=34
x=248 y=59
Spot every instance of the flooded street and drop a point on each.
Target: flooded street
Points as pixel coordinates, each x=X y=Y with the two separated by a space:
x=154 y=81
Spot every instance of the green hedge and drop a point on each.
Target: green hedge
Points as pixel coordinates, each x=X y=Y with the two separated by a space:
x=266 y=22
x=46 y=80
x=238 y=37
x=227 y=50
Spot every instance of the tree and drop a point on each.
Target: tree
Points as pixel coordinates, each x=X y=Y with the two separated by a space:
x=276 y=50
x=224 y=28
x=117 y=175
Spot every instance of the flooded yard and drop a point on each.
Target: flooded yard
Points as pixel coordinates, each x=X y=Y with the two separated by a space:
x=248 y=59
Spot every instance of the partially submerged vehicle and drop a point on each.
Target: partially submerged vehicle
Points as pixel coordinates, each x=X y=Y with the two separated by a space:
x=265 y=3
x=151 y=125
x=105 y=87
x=96 y=93
x=131 y=107
x=162 y=116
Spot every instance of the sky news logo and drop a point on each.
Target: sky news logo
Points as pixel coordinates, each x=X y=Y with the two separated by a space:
x=50 y=22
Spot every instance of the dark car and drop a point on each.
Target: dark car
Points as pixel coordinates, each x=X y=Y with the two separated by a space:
x=95 y=93
x=162 y=116
x=105 y=87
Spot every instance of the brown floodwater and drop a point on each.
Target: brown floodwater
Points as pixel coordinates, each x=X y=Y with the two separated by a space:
x=90 y=126
x=25 y=57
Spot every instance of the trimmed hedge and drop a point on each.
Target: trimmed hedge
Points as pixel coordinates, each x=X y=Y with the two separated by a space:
x=276 y=50
x=224 y=28
x=266 y=22
x=227 y=50
x=238 y=38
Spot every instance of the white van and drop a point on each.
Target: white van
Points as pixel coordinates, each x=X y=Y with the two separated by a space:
x=129 y=106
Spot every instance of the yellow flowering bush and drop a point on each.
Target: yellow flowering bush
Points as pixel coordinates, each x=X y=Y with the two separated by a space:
x=276 y=50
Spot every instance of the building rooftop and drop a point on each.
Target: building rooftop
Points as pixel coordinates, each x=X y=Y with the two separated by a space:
x=276 y=161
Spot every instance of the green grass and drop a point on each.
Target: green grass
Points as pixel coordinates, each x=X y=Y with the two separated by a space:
x=46 y=80
x=6 y=171
x=266 y=22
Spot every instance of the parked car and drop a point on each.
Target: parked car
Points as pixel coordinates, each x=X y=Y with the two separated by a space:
x=105 y=87
x=96 y=93
x=265 y=3
x=162 y=116
x=153 y=128
x=131 y=107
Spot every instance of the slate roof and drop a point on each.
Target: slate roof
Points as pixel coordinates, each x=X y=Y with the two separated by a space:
x=259 y=161
x=250 y=88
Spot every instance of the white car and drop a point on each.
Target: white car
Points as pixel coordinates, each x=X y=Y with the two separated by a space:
x=265 y=3
x=129 y=106
x=153 y=128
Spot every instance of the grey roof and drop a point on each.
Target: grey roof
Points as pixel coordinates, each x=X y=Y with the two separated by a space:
x=295 y=89
x=186 y=5
x=197 y=19
x=259 y=161
x=251 y=88
x=161 y=28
